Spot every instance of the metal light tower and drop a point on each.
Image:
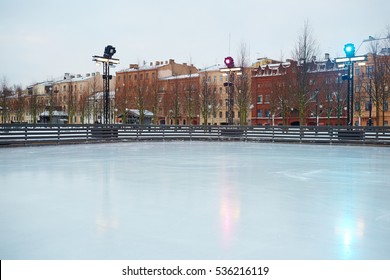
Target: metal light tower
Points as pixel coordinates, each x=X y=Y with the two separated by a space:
x=229 y=62
x=349 y=61
x=107 y=61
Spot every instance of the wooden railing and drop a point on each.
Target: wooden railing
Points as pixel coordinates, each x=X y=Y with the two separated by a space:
x=29 y=134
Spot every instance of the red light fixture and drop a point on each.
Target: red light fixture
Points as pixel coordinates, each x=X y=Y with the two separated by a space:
x=229 y=62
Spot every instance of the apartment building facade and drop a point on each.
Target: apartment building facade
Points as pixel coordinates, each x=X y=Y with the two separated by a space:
x=371 y=90
x=285 y=95
x=167 y=89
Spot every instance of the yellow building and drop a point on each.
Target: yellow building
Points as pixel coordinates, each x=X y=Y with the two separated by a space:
x=371 y=90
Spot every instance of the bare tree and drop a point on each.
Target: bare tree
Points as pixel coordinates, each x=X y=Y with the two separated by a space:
x=243 y=85
x=175 y=99
x=190 y=89
x=36 y=105
x=153 y=96
x=19 y=104
x=305 y=50
x=95 y=103
x=207 y=97
x=5 y=93
x=377 y=81
x=141 y=89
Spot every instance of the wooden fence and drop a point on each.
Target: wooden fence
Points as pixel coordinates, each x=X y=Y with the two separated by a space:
x=29 y=134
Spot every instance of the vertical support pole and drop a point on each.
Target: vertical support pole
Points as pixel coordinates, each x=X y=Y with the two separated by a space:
x=352 y=92
x=231 y=97
x=106 y=85
x=349 y=96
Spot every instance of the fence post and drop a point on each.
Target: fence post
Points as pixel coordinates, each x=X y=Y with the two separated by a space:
x=300 y=134
x=273 y=133
x=25 y=134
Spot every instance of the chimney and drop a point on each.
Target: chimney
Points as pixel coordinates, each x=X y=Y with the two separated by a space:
x=157 y=63
x=151 y=63
x=78 y=75
x=134 y=66
x=67 y=76
x=88 y=75
x=326 y=56
x=171 y=61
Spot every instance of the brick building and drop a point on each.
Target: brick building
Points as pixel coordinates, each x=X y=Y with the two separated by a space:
x=371 y=90
x=163 y=88
x=284 y=94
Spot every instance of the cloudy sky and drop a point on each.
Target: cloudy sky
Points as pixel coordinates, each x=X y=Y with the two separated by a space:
x=43 y=39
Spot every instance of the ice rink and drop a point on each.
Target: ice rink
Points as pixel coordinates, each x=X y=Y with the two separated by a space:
x=195 y=200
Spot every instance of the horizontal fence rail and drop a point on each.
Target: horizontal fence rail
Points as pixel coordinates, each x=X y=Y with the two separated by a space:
x=32 y=134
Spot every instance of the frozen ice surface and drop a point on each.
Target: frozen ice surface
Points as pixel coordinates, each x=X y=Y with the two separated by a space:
x=195 y=200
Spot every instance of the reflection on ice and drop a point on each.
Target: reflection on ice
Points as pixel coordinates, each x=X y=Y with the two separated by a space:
x=194 y=200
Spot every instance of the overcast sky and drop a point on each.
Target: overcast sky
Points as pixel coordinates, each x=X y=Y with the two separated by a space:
x=43 y=39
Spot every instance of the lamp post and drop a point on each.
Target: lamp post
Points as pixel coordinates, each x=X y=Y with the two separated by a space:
x=107 y=61
x=230 y=70
x=349 y=61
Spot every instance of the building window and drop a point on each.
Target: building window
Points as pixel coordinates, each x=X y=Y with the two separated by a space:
x=259 y=85
x=370 y=70
x=220 y=114
x=220 y=78
x=357 y=71
x=386 y=106
x=358 y=87
x=268 y=113
x=259 y=113
x=267 y=98
x=260 y=99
